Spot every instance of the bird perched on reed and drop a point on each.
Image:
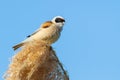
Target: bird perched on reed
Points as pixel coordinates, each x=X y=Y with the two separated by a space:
x=49 y=32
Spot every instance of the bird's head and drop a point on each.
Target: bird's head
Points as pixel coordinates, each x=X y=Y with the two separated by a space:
x=59 y=21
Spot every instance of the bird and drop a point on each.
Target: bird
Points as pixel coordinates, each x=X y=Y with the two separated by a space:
x=49 y=32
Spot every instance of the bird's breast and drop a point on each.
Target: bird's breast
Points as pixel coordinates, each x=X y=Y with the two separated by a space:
x=52 y=37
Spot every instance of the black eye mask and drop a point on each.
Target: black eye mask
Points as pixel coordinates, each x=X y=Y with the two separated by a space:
x=57 y=20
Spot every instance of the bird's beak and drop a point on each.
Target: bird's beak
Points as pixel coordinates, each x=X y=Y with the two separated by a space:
x=63 y=20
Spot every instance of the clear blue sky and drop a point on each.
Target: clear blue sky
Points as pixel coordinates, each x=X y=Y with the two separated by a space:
x=89 y=46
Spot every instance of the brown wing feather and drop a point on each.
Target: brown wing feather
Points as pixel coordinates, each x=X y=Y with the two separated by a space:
x=46 y=24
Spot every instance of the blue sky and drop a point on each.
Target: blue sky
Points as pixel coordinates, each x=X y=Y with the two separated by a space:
x=89 y=46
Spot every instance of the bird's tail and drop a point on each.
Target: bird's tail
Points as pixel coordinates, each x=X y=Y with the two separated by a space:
x=17 y=46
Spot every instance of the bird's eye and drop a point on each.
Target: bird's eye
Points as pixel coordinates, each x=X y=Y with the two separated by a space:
x=57 y=20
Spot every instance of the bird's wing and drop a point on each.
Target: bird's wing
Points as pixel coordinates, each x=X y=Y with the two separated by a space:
x=44 y=25
x=33 y=33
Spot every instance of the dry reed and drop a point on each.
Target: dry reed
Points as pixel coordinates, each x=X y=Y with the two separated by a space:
x=36 y=61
